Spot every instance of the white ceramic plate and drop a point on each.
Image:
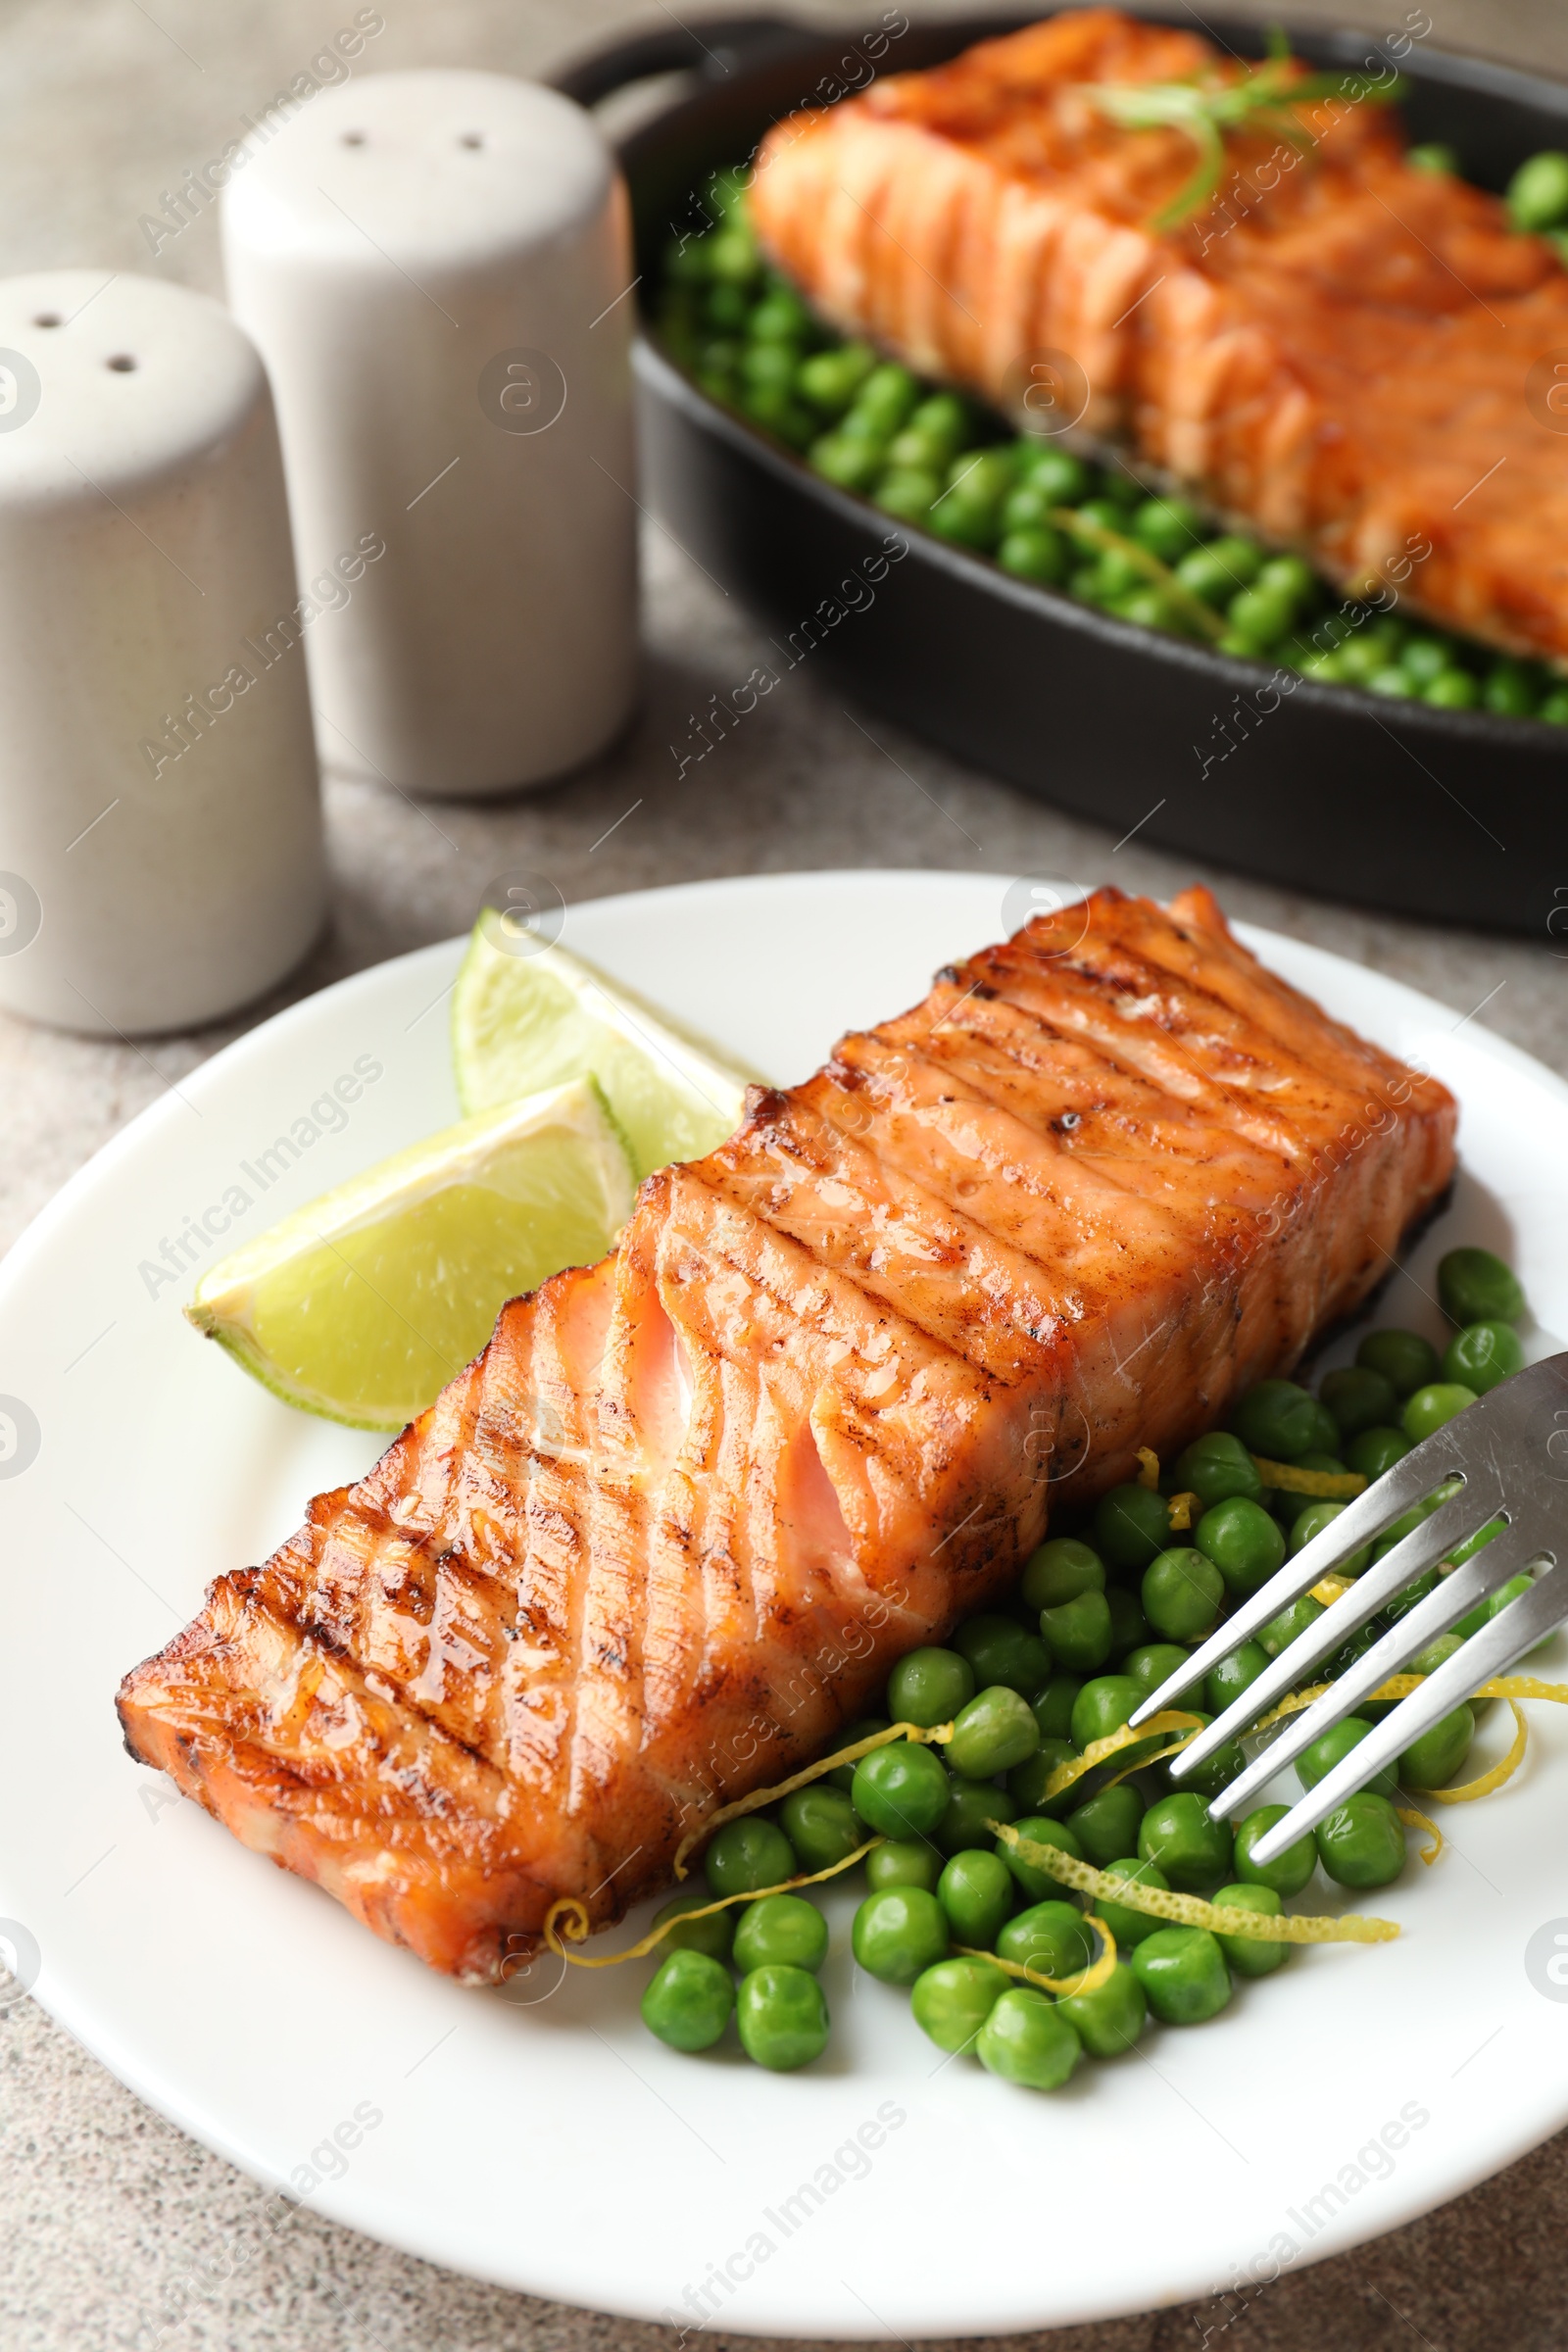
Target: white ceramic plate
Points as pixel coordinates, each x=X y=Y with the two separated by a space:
x=541 y=2138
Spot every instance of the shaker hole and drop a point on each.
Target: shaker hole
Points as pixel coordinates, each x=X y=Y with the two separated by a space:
x=354 y=138
x=48 y=318
x=123 y=364
x=470 y=138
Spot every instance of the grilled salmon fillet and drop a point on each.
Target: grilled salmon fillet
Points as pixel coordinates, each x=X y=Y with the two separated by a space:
x=1335 y=350
x=671 y=1529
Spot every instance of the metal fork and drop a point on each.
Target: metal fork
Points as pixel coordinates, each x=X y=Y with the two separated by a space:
x=1511 y=1450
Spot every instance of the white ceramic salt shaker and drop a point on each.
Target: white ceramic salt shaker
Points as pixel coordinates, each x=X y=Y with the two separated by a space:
x=436 y=269
x=160 y=856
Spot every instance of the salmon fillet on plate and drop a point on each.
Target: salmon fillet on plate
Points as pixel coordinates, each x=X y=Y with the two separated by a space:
x=670 y=1532
x=1335 y=349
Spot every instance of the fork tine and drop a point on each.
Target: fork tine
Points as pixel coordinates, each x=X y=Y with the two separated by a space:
x=1410 y=1557
x=1452 y=1598
x=1514 y=1630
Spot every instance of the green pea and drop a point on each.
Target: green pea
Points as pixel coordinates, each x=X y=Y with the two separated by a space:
x=929 y=1686
x=1407 y=1361
x=1511 y=690
x=1129 y=1626
x=1026 y=1783
x=1427 y=657
x=1193 y=1848
x=1256 y=616
x=1102 y=1706
x=1476 y=1287
x=1482 y=1354
x=1281 y=1631
x=1437 y=1653
x=1282 y=1421
x=1358 y=1398
x=842 y=1776
x=952 y=2000
x=1080 y=1633
x=915 y=452
x=885 y=401
x=1000 y=1650
x=1216 y=572
x=907 y=495
x=1393 y=681
x=1181 y=1591
x=1060 y=477
x=1374 y=1450
x=746 y=1855
x=1035 y=1882
x=714 y=1935
x=1026 y=2039
x=781 y=1931
x=1494 y=1603
x=1109 y=2020
x=1431 y=1408
x=1453 y=690
x=1083 y=582
x=728 y=307
x=1152 y=1663
x=1119 y=576
x=1216 y=1771
x=1167 y=527
x=1538 y=193
x=830 y=379
x=1243 y=1541
x=1361 y=660
x=732 y=255
x=852 y=464
x=1061 y=1571
x=1108 y=1823
x=781 y=317
x=1314 y=1763
x=771 y=366
x=946 y=420
x=1053 y=1706
x=898 y=1931
x=1363 y=1841
x=1250 y=1955
x=689 y=1999
x=1436 y=157
x=900 y=1791
x=1215 y=1468
x=776 y=411
x=821 y=1824
x=1553 y=711
x=969 y=510
x=976 y=1893
x=781 y=2015
x=1290 y=1871
x=1130 y=1926
x=1311 y=1520
x=995 y=1731
x=1434 y=1759
x=1330 y=1462
x=972 y=1806
x=1224 y=1684
x=1182 y=1973
x=1289 y=578
x=902 y=1862
x=1037 y=554
x=1051 y=1938
x=1131 y=1524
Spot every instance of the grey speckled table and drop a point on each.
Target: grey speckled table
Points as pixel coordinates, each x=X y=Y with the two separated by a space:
x=103 y=103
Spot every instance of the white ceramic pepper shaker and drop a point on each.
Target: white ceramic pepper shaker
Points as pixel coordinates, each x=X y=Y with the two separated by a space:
x=436 y=269
x=160 y=856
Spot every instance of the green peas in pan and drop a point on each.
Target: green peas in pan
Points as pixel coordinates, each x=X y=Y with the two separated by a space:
x=885 y=401
x=952 y=2000
x=714 y=1935
x=1215 y=1468
x=1064 y=479
x=1373 y=1451
x=748 y=1855
x=1481 y=1355
x=1000 y=1650
x=1243 y=1543
x=1362 y=1843
x=1130 y=1926
x=1405 y=1360
x=900 y=1791
x=830 y=379
x=897 y=1932
x=821 y=1825
x=852 y=463
x=1061 y=1571
x=1282 y=1421
x=1181 y=1592
x=973 y=1808
x=929 y=1686
x=977 y=1892
x=1475 y=1287
x=904 y=1862
x=1036 y=1882
x=907 y=493
x=1431 y=1408
x=995 y=1731
x=1108 y=1823
x=1036 y=554
x=782 y=2018
x=842 y=1776
x=1167 y=527
x=782 y=1929
x=1192 y=1849
x=1250 y=1955
x=1131 y=1524
x=1026 y=1783
x=689 y=2000
x=1026 y=2039
x=1182 y=1973
x=1154 y=1663
x=1290 y=1871
x=1358 y=1398
x=1109 y=2020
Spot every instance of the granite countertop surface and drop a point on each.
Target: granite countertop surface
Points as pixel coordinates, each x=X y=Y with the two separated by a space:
x=103 y=105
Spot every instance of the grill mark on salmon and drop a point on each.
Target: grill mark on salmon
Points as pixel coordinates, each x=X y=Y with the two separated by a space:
x=668 y=1531
x=1334 y=353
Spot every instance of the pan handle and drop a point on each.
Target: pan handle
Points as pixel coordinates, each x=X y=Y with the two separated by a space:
x=714 y=46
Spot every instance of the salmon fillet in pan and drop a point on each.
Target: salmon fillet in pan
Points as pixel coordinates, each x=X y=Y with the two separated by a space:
x=1336 y=352
x=668 y=1533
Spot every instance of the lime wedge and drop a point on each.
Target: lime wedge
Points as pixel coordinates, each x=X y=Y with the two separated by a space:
x=363 y=1305
x=525 y=1014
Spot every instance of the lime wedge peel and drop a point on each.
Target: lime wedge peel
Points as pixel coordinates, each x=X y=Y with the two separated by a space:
x=525 y=1015
x=361 y=1306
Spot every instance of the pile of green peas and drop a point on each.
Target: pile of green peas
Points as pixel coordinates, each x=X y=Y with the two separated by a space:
x=940 y=463
x=1095 y=1623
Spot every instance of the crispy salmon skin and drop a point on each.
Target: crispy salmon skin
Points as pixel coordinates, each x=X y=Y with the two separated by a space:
x=668 y=1533
x=1335 y=349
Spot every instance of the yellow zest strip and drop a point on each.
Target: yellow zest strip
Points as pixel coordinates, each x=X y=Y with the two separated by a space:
x=937 y=1737
x=1522 y=1685
x=1329 y=1486
x=1487 y=1782
x=1088 y=1980
x=1190 y=1910
x=1101 y=1751
x=1182 y=1509
x=1149 y=1468
x=1328 y=1590
x=1418 y=1821
x=569 y=1915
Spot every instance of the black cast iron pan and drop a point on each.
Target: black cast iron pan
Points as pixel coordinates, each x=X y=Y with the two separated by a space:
x=1452 y=815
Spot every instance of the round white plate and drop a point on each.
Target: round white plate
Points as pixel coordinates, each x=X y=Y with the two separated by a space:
x=541 y=2138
